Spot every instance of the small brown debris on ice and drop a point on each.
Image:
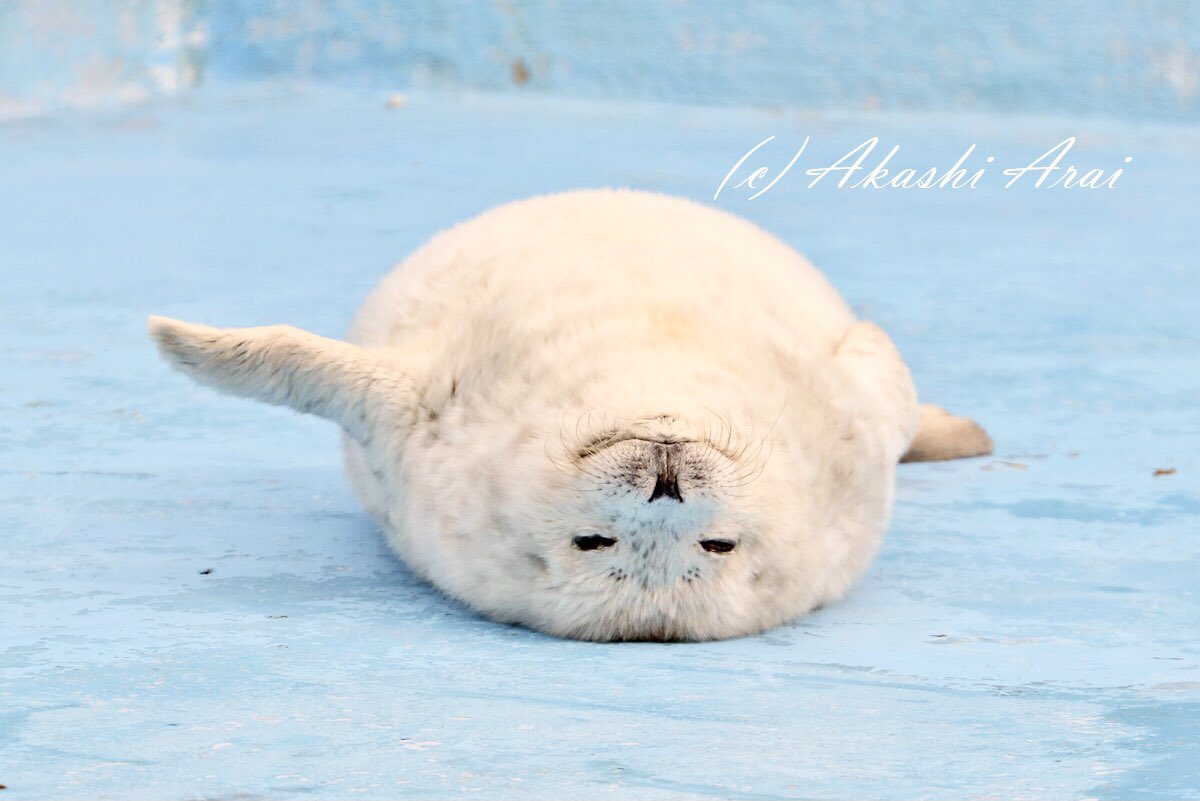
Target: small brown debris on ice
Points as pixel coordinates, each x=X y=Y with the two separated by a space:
x=1008 y=465
x=520 y=72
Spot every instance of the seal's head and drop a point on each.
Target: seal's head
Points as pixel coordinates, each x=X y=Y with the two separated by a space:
x=664 y=527
x=660 y=537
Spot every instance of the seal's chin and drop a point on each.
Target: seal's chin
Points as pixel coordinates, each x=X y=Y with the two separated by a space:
x=624 y=631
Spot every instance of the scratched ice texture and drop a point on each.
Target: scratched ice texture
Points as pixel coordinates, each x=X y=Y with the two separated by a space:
x=193 y=606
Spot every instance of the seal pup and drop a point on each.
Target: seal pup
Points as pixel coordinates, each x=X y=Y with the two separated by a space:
x=607 y=415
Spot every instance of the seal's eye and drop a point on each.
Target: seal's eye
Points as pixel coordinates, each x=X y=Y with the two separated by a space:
x=593 y=543
x=718 y=546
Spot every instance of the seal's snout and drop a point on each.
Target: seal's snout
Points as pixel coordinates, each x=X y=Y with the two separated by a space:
x=657 y=477
x=666 y=485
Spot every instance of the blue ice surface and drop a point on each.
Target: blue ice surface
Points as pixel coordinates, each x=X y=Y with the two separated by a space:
x=1029 y=629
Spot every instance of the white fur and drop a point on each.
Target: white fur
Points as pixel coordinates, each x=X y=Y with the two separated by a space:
x=528 y=376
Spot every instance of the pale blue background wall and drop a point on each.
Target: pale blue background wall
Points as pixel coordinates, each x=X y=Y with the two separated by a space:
x=1133 y=58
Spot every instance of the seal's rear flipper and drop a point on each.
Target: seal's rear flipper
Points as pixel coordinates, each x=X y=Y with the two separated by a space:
x=941 y=436
x=286 y=366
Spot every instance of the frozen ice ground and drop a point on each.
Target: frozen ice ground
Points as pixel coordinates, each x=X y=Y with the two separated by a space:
x=1029 y=630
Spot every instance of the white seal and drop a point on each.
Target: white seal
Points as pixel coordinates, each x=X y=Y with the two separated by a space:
x=608 y=415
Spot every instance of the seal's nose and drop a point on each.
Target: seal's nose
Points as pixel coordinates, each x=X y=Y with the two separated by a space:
x=666 y=485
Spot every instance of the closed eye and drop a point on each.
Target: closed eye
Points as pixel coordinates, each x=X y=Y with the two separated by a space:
x=718 y=546
x=593 y=542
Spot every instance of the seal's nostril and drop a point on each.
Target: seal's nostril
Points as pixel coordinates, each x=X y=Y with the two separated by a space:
x=593 y=543
x=666 y=485
x=718 y=546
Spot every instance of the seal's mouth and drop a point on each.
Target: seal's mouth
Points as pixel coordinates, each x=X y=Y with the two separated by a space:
x=608 y=439
x=613 y=437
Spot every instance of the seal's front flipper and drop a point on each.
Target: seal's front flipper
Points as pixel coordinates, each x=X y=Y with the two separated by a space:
x=942 y=436
x=868 y=355
x=286 y=366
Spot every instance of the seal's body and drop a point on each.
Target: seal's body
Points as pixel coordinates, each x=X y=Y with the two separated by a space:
x=608 y=415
